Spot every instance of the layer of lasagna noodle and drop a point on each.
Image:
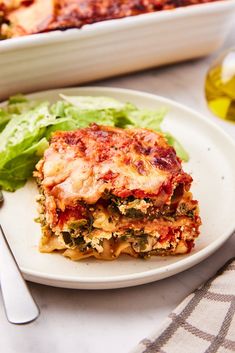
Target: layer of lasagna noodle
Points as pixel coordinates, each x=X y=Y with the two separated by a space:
x=105 y=191
x=22 y=17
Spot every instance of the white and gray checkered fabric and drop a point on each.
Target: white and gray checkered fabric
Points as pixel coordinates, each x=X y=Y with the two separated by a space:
x=203 y=323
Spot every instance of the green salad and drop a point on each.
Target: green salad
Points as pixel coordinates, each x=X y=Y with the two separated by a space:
x=26 y=127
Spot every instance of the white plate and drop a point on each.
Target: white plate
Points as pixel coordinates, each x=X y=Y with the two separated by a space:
x=212 y=165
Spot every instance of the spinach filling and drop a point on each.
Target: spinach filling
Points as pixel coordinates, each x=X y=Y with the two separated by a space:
x=133 y=210
x=75 y=242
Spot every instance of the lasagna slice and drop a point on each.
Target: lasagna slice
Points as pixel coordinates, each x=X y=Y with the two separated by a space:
x=105 y=191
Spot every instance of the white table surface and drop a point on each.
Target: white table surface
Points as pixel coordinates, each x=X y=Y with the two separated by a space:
x=114 y=321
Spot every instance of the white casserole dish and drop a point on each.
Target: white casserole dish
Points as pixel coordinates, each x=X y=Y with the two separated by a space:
x=112 y=47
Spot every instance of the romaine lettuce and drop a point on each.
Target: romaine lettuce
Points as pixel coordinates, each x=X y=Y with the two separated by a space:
x=22 y=143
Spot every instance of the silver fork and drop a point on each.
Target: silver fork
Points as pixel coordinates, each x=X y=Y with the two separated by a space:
x=20 y=307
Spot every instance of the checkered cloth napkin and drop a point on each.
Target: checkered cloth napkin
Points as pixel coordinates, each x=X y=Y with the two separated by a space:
x=203 y=323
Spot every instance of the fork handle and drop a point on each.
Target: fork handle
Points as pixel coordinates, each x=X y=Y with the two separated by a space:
x=19 y=304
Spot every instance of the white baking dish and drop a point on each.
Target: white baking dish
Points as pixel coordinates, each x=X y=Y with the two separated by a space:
x=113 y=47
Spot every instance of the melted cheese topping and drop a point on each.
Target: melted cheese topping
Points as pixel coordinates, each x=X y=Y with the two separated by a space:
x=30 y=19
x=83 y=164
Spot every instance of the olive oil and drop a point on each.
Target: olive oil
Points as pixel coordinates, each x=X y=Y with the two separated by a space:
x=220 y=87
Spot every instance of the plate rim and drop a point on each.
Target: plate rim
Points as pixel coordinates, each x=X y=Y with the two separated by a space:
x=146 y=276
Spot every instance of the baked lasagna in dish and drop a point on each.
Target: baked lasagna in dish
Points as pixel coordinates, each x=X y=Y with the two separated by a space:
x=23 y=17
x=105 y=191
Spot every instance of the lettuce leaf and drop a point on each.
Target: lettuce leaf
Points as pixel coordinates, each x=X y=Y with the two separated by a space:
x=144 y=118
x=108 y=112
x=16 y=105
x=17 y=170
x=88 y=103
x=22 y=131
x=4 y=118
x=22 y=143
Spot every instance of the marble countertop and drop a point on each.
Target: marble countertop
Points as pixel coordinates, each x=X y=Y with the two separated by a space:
x=116 y=320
